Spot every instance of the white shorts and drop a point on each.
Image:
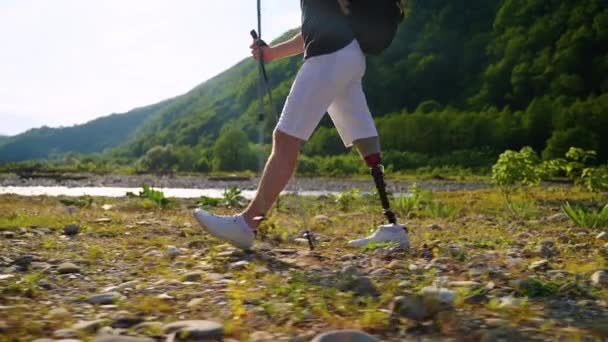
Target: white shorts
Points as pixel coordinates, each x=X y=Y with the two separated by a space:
x=330 y=83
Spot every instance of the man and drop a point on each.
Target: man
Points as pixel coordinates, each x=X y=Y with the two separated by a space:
x=328 y=81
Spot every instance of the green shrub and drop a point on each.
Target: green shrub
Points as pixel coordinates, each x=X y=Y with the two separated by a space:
x=514 y=169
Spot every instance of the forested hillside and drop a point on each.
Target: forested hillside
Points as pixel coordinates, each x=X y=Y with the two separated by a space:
x=94 y=136
x=463 y=81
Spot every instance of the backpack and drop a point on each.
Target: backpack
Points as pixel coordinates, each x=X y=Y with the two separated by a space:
x=375 y=23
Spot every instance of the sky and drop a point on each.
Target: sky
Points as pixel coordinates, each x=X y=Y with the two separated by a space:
x=65 y=62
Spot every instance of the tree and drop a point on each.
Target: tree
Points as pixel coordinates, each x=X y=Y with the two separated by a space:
x=232 y=151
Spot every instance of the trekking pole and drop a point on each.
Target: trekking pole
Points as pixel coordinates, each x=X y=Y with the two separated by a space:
x=264 y=90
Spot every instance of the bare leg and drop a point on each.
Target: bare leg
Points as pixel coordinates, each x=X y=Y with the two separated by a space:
x=279 y=169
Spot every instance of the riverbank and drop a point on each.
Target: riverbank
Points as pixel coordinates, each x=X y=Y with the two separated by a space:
x=244 y=183
x=475 y=271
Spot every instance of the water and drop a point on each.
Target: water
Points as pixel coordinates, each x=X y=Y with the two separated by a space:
x=121 y=192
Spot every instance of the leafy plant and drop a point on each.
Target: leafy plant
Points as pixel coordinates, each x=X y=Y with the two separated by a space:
x=595 y=179
x=414 y=201
x=346 y=198
x=585 y=218
x=437 y=209
x=158 y=197
x=514 y=169
x=232 y=197
x=536 y=288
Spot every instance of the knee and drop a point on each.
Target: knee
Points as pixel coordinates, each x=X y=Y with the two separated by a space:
x=284 y=142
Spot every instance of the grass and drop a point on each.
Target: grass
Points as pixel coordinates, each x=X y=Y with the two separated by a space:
x=284 y=299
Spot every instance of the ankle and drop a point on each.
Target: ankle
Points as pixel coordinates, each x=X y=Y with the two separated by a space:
x=251 y=221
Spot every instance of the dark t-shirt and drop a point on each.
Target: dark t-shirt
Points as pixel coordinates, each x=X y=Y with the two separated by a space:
x=325 y=28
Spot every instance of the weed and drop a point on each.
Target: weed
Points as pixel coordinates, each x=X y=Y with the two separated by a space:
x=536 y=288
x=150 y=305
x=95 y=253
x=437 y=209
x=586 y=218
x=346 y=199
x=232 y=197
x=158 y=197
x=523 y=209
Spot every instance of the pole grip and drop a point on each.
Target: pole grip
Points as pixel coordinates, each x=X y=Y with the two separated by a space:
x=256 y=37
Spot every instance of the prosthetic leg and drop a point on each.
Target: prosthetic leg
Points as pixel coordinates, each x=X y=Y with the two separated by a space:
x=393 y=232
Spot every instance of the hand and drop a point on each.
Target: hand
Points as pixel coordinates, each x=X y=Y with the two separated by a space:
x=267 y=51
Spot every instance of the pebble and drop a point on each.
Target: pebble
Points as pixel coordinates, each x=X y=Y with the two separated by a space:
x=261 y=336
x=381 y=272
x=194 y=330
x=68 y=268
x=362 y=286
x=414 y=307
x=125 y=319
x=193 y=277
x=173 y=251
x=124 y=286
x=8 y=235
x=195 y=302
x=239 y=265
x=90 y=326
x=24 y=261
x=65 y=333
x=600 y=278
x=71 y=229
x=541 y=265
x=345 y=335
x=478 y=298
x=58 y=312
x=602 y=236
x=104 y=298
x=121 y=338
x=322 y=219
x=464 y=284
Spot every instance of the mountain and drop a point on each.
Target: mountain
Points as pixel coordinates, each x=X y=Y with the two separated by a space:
x=92 y=137
x=464 y=80
x=4 y=138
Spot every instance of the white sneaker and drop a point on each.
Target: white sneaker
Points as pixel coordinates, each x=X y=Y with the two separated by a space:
x=231 y=229
x=388 y=233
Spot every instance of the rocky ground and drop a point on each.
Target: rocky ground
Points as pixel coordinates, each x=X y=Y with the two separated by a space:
x=124 y=270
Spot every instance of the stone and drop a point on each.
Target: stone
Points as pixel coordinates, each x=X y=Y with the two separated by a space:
x=345 y=335
x=381 y=272
x=322 y=219
x=124 y=286
x=71 y=229
x=478 y=298
x=58 y=312
x=8 y=234
x=261 y=336
x=414 y=307
x=121 y=338
x=445 y=296
x=65 y=334
x=125 y=319
x=239 y=265
x=464 y=284
x=559 y=217
x=173 y=252
x=434 y=226
x=194 y=330
x=104 y=298
x=504 y=334
x=600 y=278
x=195 y=302
x=602 y=236
x=362 y=286
x=90 y=326
x=24 y=261
x=541 y=265
x=396 y=264
x=193 y=277
x=68 y=268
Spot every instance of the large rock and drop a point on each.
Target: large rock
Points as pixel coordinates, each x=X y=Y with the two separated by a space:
x=345 y=336
x=68 y=268
x=362 y=286
x=196 y=330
